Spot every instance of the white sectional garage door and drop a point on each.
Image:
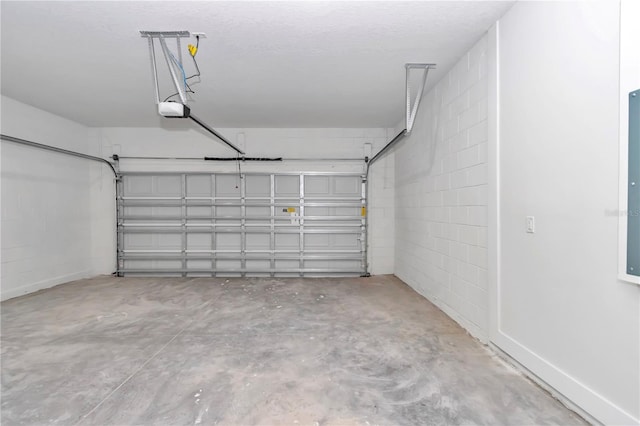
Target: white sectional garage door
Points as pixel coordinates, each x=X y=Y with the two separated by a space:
x=204 y=224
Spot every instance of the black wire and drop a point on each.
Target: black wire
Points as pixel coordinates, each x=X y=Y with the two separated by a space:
x=176 y=94
x=197 y=68
x=194 y=59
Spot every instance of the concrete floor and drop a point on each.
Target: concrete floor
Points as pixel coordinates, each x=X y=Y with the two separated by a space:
x=120 y=351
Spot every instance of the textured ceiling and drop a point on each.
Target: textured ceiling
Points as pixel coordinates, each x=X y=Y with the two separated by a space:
x=263 y=64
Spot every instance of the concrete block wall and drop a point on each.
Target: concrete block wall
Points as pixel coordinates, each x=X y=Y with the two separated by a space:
x=441 y=195
x=382 y=215
x=45 y=220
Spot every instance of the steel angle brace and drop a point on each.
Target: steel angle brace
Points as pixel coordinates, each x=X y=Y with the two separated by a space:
x=174 y=68
x=412 y=110
x=411 y=107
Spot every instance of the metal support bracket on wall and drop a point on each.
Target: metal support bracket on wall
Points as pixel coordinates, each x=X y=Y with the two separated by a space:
x=412 y=108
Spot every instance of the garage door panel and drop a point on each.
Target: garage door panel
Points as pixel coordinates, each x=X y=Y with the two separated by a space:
x=151 y=265
x=169 y=241
x=200 y=241
x=168 y=186
x=228 y=265
x=262 y=267
x=257 y=225
x=226 y=211
x=286 y=186
x=167 y=264
x=258 y=186
x=258 y=215
x=161 y=212
x=288 y=211
x=199 y=186
x=139 y=185
x=198 y=211
x=256 y=241
x=287 y=201
x=316 y=185
x=228 y=242
x=346 y=241
x=227 y=186
x=287 y=264
x=198 y=264
x=346 y=185
x=337 y=263
x=346 y=211
x=332 y=264
x=138 y=242
x=138 y=211
x=258 y=211
x=316 y=211
x=316 y=264
x=139 y=264
x=314 y=241
x=204 y=224
x=287 y=241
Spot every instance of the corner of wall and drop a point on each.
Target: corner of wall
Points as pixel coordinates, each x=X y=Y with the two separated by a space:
x=441 y=199
x=46 y=215
x=103 y=207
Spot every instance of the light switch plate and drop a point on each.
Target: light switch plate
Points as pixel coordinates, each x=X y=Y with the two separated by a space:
x=531 y=224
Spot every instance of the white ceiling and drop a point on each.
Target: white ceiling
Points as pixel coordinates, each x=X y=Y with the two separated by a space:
x=263 y=64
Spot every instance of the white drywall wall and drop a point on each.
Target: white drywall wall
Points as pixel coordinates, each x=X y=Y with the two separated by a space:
x=441 y=195
x=562 y=312
x=182 y=138
x=46 y=218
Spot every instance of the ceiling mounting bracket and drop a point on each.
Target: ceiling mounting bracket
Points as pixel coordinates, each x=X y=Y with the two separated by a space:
x=412 y=108
x=174 y=64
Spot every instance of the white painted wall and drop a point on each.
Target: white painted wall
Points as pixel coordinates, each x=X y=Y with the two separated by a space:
x=181 y=138
x=382 y=213
x=46 y=222
x=441 y=195
x=561 y=311
x=103 y=207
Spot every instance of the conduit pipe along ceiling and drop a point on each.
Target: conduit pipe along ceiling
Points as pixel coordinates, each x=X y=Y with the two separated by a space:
x=169 y=108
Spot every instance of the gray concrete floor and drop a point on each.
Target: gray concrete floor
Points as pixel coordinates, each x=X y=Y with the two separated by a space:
x=120 y=351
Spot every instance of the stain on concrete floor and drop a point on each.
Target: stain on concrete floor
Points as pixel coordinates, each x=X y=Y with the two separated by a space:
x=206 y=351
